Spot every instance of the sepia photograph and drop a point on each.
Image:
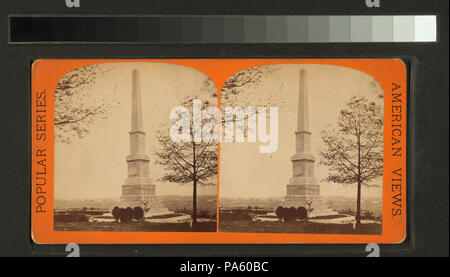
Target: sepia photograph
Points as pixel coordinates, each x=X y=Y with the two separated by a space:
x=116 y=166
x=321 y=171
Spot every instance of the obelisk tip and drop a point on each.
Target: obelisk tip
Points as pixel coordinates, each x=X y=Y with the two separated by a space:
x=136 y=110
x=303 y=117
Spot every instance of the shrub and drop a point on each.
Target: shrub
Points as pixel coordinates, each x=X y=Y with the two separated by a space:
x=286 y=214
x=121 y=215
x=125 y=215
x=279 y=212
x=129 y=213
x=302 y=213
x=115 y=213
x=138 y=213
x=291 y=214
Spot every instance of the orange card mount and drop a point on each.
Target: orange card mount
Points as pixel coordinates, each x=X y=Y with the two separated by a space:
x=218 y=151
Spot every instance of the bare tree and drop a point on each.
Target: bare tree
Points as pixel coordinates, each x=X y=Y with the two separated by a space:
x=241 y=89
x=236 y=88
x=196 y=162
x=354 y=150
x=193 y=162
x=75 y=106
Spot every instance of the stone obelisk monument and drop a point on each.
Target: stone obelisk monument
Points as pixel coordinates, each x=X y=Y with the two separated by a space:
x=303 y=188
x=138 y=189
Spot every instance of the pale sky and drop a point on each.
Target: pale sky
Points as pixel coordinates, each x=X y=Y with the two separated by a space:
x=95 y=166
x=244 y=172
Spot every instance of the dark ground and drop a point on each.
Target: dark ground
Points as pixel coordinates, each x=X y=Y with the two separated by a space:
x=133 y=227
x=246 y=226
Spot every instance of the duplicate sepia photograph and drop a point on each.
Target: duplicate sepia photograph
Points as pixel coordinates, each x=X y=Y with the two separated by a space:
x=323 y=173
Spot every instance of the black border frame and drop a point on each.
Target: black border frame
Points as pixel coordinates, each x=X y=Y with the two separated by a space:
x=427 y=149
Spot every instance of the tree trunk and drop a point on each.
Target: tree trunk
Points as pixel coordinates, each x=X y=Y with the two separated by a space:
x=358 y=206
x=194 y=185
x=358 y=196
x=194 y=204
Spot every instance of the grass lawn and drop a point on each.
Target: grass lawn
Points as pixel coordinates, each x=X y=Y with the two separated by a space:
x=245 y=226
x=133 y=227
